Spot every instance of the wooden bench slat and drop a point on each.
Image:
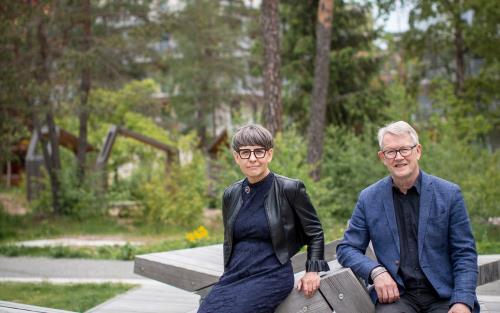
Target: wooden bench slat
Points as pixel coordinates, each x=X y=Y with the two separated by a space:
x=344 y=292
x=297 y=303
x=489 y=268
x=174 y=276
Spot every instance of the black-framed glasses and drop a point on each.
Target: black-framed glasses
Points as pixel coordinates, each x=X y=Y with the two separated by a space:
x=404 y=151
x=259 y=153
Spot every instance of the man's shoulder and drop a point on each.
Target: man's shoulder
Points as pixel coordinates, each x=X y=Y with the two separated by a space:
x=438 y=182
x=376 y=188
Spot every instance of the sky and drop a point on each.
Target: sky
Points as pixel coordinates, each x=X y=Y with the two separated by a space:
x=397 y=21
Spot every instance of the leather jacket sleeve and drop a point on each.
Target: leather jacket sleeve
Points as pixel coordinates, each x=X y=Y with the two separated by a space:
x=311 y=227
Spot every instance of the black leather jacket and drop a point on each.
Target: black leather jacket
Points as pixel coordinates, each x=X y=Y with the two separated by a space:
x=292 y=221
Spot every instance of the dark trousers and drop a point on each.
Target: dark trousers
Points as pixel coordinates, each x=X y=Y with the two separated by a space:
x=416 y=301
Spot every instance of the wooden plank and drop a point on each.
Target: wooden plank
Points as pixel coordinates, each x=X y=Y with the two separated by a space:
x=157 y=298
x=189 y=269
x=489 y=304
x=209 y=257
x=176 y=276
x=297 y=302
x=13 y=307
x=344 y=292
x=489 y=268
x=147 y=140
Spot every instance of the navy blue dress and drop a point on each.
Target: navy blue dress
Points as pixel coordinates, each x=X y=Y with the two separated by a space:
x=254 y=281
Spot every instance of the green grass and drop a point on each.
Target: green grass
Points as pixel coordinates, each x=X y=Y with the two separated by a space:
x=71 y=297
x=127 y=252
x=156 y=238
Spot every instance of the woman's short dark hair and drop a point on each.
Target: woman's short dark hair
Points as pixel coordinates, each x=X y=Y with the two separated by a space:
x=252 y=135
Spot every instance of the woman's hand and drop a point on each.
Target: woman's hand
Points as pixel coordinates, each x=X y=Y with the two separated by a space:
x=309 y=283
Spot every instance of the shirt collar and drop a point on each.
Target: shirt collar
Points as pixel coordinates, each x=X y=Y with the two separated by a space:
x=417 y=184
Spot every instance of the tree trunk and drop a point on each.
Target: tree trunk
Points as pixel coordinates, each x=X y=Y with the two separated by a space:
x=85 y=86
x=52 y=160
x=316 y=127
x=272 y=83
x=8 y=174
x=459 y=59
x=201 y=128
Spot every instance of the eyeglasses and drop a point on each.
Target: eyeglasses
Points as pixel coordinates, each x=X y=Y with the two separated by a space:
x=259 y=153
x=405 y=151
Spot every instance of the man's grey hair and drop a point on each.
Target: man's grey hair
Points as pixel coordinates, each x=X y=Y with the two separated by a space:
x=397 y=128
x=252 y=135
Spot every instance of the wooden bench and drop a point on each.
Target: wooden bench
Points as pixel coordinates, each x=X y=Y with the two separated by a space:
x=197 y=269
x=11 y=307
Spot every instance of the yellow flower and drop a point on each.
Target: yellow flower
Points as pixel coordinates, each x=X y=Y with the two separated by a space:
x=202 y=232
x=190 y=237
x=197 y=234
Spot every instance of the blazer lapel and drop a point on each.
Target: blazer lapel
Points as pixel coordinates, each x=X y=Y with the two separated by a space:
x=425 y=208
x=389 y=210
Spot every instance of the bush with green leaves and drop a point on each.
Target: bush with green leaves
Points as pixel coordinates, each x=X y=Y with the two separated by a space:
x=179 y=196
x=350 y=164
x=78 y=200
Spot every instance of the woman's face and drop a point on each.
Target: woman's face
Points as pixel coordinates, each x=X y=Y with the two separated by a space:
x=253 y=162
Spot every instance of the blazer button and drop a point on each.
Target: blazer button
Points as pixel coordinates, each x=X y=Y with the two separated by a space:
x=396 y=262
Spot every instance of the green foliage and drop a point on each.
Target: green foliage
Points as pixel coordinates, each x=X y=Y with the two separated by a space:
x=354 y=92
x=78 y=200
x=6 y=223
x=474 y=169
x=128 y=107
x=112 y=106
x=73 y=297
x=179 y=196
x=350 y=164
x=203 y=70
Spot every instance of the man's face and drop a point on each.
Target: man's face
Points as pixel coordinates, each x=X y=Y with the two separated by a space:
x=254 y=168
x=401 y=167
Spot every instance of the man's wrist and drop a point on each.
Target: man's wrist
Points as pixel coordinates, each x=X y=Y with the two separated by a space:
x=465 y=304
x=377 y=271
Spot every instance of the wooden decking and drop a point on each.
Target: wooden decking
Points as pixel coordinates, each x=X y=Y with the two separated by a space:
x=489 y=304
x=154 y=298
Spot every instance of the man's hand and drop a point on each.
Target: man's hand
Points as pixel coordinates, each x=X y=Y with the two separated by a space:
x=386 y=288
x=459 y=308
x=309 y=283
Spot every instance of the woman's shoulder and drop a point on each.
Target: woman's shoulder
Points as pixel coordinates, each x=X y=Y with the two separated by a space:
x=232 y=188
x=288 y=184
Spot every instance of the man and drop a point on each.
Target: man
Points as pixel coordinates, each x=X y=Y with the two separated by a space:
x=420 y=231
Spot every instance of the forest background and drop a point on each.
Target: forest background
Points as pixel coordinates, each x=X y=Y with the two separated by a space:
x=321 y=75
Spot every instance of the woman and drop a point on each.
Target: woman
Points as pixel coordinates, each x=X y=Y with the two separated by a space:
x=267 y=219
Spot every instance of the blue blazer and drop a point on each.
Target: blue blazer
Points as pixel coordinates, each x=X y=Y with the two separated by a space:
x=446 y=248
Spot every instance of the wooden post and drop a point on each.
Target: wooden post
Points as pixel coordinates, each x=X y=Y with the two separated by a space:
x=344 y=292
x=296 y=302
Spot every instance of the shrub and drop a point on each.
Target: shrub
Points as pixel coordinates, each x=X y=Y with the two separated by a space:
x=76 y=200
x=350 y=164
x=179 y=197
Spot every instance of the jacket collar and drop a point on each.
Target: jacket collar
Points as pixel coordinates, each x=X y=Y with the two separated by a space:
x=425 y=204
